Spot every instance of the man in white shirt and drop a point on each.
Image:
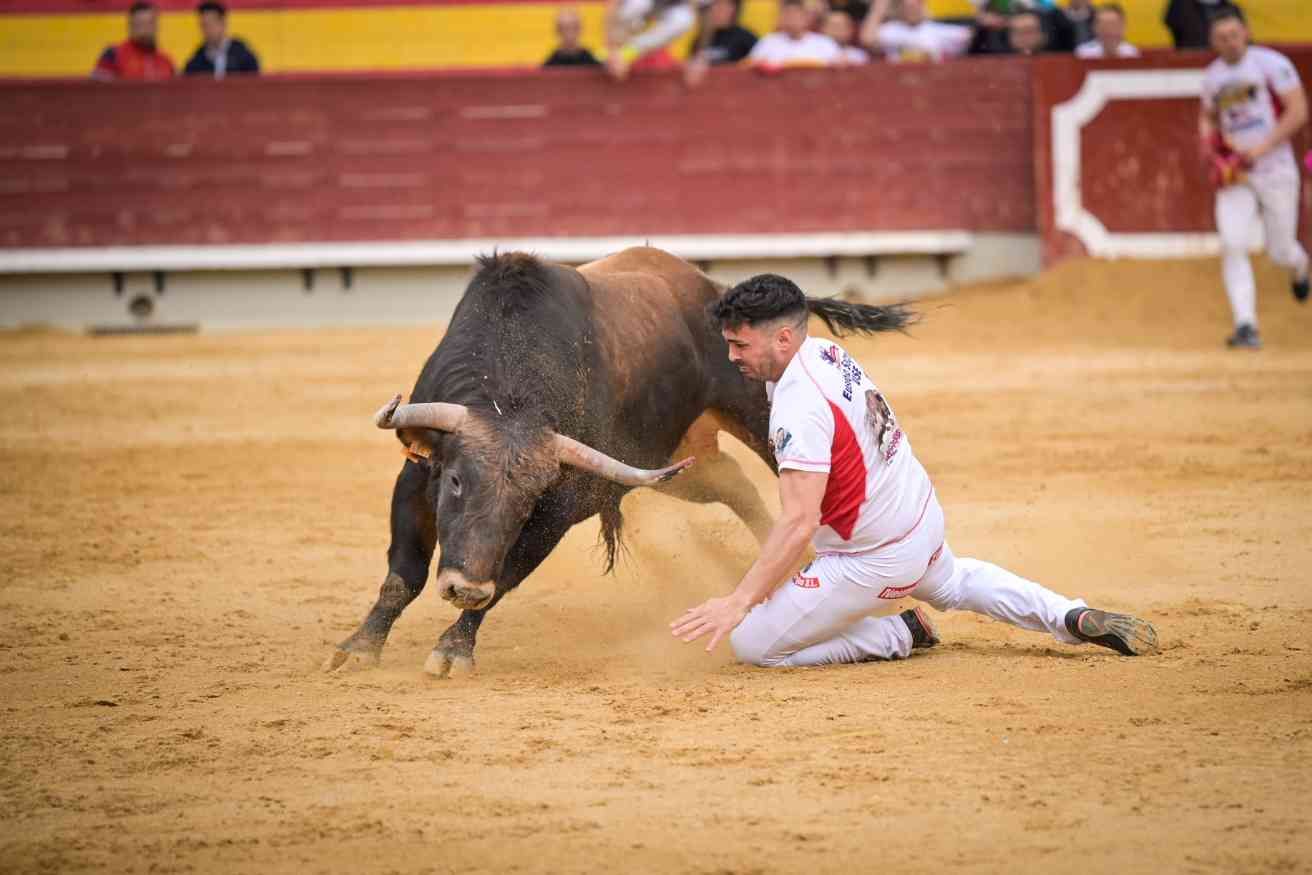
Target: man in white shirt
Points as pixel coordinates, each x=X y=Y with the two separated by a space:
x=637 y=28
x=1109 y=35
x=1253 y=105
x=793 y=45
x=850 y=484
x=840 y=28
x=914 y=36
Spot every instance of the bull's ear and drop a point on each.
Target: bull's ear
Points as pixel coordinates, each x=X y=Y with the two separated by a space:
x=416 y=444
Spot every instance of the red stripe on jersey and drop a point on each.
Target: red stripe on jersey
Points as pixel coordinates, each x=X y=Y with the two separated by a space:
x=846 y=489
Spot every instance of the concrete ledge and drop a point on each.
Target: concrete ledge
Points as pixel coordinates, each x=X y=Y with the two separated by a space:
x=443 y=253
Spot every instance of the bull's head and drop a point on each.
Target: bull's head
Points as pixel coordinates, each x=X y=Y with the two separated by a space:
x=485 y=482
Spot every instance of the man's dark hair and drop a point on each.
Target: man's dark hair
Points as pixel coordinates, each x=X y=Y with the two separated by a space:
x=762 y=298
x=1225 y=13
x=783 y=4
x=1111 y=7
x=141 y=6
x=211 y=6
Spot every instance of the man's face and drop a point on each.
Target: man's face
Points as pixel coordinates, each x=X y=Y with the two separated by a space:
x=213 y=27
x=1230 y=39
x=1026 y=34
x=792 y=20
x=142 y=27
x=913 y=11
x=569 y=28
x=1109 y=27
x=758 y=351
x=722 y=12
x=839 y=27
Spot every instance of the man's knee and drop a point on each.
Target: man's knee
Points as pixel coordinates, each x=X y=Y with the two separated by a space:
x=752 y=647
x=1285 y=253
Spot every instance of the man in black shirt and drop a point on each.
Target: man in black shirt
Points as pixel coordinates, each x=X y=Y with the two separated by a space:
x=729 y=42
x=1190 y=21
x=570 y=52
x=220 y=55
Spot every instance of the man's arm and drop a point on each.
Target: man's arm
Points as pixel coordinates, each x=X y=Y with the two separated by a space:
x=869 y=36
x=801 y=494
x=1295 y=116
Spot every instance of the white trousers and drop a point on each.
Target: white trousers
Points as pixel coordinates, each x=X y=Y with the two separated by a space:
x=823 y=616
x=1273 y=197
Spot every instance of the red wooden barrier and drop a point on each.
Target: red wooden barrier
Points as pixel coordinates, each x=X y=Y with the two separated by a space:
x=559 y=153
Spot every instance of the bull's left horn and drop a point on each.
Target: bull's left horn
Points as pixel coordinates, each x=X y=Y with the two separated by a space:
x=582 y=456
x=435 y=414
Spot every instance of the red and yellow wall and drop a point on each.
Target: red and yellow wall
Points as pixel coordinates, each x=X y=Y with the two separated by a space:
x=41 y=38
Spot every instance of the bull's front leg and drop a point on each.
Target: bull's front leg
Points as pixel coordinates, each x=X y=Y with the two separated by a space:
x=414 y=537
x=540 y=535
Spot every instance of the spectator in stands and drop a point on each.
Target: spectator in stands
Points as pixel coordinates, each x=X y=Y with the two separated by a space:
x=1190 y=21
x=857 y=9
x=570 y=51
x=840 y=28
x=219 y=55
x=1080 y=13
x=1025 y=33
x=138 y=57
x=639 y=31
x=723 y=40
x=914 y=36
x=1109 y=25
x=793 y=45
x=993 y=26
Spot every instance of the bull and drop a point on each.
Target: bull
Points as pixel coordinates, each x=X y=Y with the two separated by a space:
x=546 y=378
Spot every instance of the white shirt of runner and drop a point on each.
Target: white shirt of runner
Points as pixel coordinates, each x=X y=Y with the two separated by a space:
x=780 y=50
x=827 y=416
x=1246 y=100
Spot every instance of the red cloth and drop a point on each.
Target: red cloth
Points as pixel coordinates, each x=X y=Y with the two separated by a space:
x=661 y=59
x=127 y=60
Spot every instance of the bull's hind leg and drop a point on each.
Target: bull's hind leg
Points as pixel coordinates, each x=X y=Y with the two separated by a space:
x=454 y=652
x=717 y=476
x=414 y=537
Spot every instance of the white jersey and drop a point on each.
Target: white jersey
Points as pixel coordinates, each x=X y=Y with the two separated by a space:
x=1246 y=100
x=827 y=416
x=1094 y=49
x=926 y=41
x=780 y=50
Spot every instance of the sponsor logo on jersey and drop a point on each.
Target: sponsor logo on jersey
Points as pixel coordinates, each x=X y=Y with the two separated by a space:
x=830 y=354
x=882 y=424
x=780 y=440
x=1235 y=93
x=806 y=582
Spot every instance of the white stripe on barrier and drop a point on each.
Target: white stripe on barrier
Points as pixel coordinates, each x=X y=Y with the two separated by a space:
x=457 y=252
x=1069 y=118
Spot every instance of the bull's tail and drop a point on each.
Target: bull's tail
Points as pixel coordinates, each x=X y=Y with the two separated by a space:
x=844 y=318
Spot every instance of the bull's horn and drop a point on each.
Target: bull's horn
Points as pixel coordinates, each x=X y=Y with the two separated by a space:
x=582 y=456
x=437 y=415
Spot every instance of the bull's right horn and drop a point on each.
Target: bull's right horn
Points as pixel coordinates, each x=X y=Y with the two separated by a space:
x=434 y=414
x=584 y=457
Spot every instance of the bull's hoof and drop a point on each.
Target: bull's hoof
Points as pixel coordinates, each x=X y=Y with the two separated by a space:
x=360 y=650
x=441 y=664
x=351 y=658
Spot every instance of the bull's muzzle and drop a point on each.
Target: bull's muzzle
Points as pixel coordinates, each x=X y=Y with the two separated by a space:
x=452 y=586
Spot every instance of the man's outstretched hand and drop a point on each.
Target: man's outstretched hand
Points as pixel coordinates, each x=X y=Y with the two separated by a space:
x=715 y=617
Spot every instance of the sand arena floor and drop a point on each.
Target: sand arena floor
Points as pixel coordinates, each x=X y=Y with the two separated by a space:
x=190 y=523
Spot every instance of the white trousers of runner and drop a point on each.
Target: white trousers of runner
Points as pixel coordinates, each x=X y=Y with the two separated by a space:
x=1272 y=198
x=822 y=615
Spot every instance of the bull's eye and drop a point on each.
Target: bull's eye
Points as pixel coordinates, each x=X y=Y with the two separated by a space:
x=455 y=485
